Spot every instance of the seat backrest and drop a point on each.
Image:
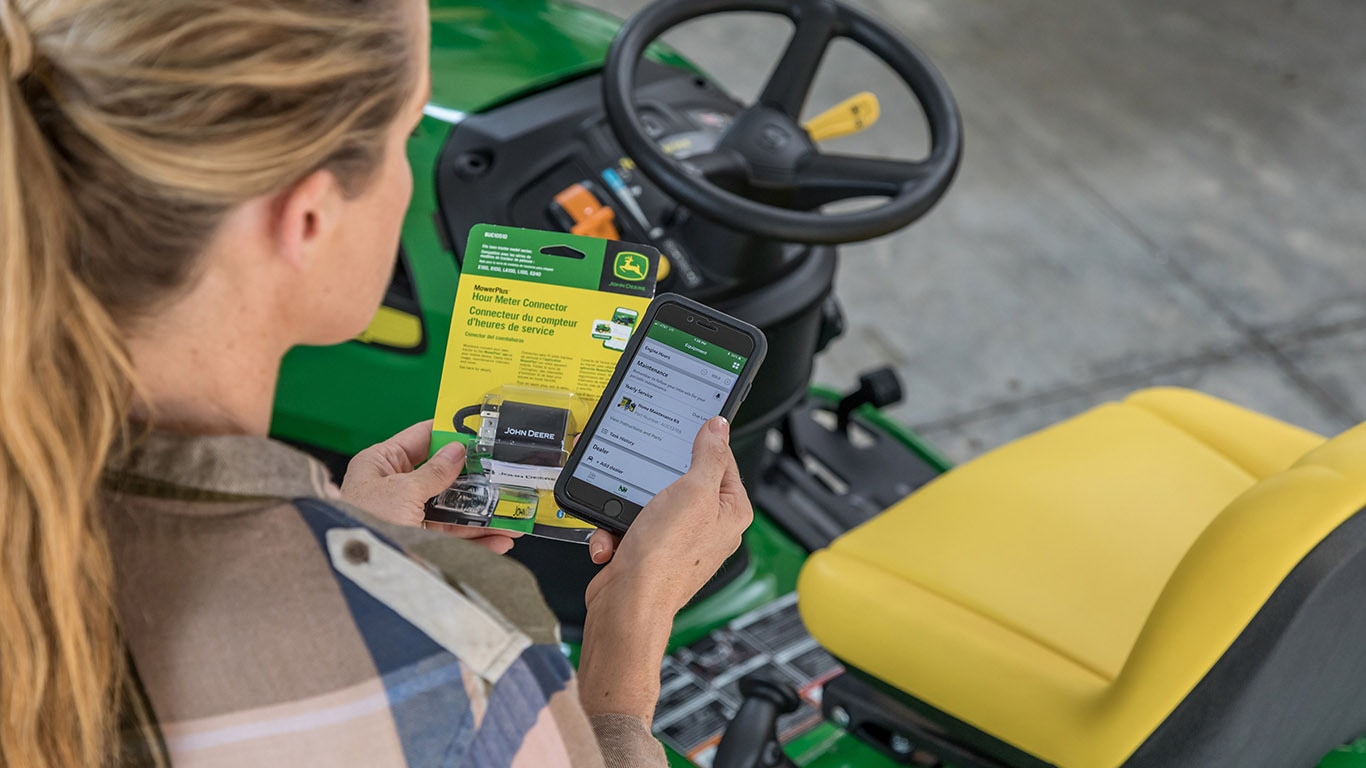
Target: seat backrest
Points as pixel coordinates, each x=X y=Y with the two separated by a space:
x=1236 y=565
x=1256 y=443
x=1345 y=453
x=1292 y=685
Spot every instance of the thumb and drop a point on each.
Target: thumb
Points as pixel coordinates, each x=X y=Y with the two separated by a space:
x=711 y=452
x=440 y=470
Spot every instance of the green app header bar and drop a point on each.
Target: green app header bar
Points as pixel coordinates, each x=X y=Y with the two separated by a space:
x=689 y=344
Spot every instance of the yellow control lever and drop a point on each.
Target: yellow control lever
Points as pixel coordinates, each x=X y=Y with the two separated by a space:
x=846 y=118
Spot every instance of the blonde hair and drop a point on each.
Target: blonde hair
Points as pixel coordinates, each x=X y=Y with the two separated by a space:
x=128 y=129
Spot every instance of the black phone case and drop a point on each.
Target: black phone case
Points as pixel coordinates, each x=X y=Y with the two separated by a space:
x=737 y=396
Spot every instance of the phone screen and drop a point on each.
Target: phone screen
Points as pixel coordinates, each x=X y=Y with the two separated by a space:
x=674 y=384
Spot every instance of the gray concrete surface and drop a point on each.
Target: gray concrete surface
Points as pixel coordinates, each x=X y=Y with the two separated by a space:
x=1153 y=192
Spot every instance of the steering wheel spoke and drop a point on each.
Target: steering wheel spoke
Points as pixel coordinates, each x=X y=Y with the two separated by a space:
x=822 y=179
x=723 y=167
x=791 y=81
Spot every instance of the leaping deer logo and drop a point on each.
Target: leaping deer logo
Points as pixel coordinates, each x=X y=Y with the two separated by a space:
x=631 y=266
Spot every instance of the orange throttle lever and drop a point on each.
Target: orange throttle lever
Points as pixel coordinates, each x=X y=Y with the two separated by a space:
x=585 y=213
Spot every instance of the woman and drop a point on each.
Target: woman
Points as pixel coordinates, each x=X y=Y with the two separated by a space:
x=188 y=188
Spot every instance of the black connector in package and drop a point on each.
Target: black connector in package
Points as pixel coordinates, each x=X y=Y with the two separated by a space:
x=518 y=449
x=530 y=434
x=522 y=435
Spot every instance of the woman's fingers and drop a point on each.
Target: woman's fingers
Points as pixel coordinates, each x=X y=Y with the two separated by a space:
x=439 y=472
x=382 y=481
x=414 y=441
x=711 y=455
x=602 y=545
x=495 y=540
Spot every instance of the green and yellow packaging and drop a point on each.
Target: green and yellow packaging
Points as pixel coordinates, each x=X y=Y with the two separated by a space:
x=539 y=323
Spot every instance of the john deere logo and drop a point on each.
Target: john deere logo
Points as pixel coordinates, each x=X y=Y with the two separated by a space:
x=631 y=266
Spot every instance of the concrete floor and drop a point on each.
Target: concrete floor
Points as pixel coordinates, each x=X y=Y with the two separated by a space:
x=1153 y=192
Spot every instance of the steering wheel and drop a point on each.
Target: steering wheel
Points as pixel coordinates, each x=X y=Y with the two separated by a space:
x=767 y=154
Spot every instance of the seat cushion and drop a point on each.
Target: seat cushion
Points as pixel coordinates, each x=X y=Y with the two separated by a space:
x=1019 y=582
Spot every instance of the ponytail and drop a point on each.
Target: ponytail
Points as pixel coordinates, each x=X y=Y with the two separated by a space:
x=118 y=162
x=63 y=397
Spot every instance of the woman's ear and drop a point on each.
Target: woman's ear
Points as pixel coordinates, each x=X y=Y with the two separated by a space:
x=306 y=217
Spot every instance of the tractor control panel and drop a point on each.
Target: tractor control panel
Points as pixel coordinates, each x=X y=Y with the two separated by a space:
x=550 y=161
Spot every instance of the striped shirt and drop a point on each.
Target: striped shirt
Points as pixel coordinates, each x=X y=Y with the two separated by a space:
x=270 y=624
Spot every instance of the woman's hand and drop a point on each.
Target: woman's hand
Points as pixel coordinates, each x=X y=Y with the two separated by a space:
x=385 y=481
x=672 y=549
x=496 y=540
x=682 y=537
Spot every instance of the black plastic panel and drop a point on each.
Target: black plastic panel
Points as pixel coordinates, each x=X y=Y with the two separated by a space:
x=506 y=166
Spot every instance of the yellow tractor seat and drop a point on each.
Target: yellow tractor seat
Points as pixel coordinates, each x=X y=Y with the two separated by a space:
x=1166 y=581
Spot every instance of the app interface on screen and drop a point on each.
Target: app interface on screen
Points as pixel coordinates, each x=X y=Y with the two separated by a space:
x=644 y=441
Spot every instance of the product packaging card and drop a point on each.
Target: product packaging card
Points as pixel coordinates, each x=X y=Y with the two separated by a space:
x=539 y=323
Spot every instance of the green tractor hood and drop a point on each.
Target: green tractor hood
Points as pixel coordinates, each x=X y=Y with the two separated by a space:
x=487 y=53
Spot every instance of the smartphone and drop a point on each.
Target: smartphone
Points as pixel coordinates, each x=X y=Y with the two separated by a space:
x=685 y=364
